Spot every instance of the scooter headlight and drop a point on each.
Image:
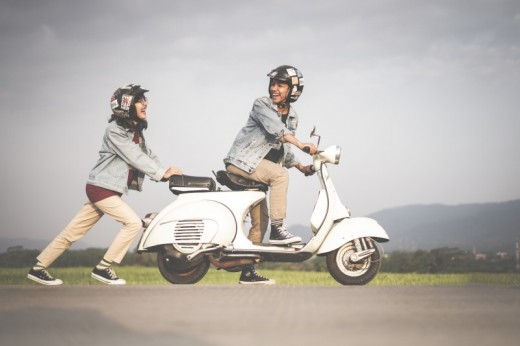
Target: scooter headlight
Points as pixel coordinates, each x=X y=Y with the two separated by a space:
x=331 y=155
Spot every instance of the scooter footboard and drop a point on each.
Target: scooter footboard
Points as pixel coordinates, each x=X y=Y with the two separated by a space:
x=352 y=228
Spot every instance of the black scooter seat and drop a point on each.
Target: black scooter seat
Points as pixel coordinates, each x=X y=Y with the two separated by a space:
x=238 y=183
x=185 y=183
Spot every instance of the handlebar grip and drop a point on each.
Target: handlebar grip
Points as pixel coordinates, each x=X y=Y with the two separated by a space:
x=313 y=170
x=307 y=149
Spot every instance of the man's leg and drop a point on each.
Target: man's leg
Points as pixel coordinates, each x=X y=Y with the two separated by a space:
x=277 y=178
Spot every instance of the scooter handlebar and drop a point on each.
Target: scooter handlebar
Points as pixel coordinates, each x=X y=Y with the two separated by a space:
x=313 y=170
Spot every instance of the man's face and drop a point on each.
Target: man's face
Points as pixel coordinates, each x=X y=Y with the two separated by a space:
x=278 y=91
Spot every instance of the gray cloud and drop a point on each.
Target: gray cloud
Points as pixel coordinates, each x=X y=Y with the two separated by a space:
x=421 y=96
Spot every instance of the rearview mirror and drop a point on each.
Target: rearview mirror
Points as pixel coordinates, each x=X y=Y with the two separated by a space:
x=314 y=134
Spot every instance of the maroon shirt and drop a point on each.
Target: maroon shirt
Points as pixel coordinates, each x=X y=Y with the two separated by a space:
x=97 y=193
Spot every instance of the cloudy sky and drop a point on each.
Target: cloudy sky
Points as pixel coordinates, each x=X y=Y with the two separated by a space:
x=422 y=96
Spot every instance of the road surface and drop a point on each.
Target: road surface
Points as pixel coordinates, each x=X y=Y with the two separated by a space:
x=206 y=315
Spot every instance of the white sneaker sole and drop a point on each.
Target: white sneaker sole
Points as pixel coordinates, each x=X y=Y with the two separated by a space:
x=107 y=281
x=270 y=282
x=56 y=282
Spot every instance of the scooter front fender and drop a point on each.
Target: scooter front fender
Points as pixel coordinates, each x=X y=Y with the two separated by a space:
x=350 y=229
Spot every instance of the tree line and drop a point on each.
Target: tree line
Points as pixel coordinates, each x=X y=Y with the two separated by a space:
x=441 y=260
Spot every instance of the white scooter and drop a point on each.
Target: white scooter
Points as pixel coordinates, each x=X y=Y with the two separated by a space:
x=205 y=226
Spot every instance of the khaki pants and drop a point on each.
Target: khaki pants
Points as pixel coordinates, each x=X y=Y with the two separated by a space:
x=277 y=177
x=86 y=218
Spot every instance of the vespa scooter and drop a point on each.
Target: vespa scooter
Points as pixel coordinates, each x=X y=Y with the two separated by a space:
x=205 y=226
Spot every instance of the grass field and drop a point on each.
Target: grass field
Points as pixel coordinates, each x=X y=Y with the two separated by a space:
x=151 y=276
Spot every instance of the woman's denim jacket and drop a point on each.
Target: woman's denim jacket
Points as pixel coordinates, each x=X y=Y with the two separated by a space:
x=118 y=155
x=263 y=131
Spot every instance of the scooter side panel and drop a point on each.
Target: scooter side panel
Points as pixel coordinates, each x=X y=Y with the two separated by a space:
x=352 y=228
x=207 y=221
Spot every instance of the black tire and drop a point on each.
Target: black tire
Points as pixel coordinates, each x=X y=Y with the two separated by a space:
x=181 y=272
x=352 y=273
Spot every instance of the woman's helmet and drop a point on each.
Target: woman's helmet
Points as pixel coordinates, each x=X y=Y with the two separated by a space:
x=288 y=75
x=124 y=98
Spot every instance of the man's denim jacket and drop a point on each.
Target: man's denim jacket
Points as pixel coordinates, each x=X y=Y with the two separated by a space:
x=263 y=131
x=118 y=155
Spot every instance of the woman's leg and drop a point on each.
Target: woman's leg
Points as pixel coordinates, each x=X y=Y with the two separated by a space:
x=87 y=217
x=117 y=209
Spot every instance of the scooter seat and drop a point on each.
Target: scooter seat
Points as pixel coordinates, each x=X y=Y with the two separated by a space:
x=185 y=183
x=238 y=183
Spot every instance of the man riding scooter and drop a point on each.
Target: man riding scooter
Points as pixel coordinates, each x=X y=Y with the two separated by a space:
x=261 y=152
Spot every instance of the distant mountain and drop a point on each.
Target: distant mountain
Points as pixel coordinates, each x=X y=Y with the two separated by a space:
x=31 y=244
x=485 y=227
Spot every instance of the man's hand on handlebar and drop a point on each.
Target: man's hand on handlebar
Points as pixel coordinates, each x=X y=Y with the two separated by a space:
x=307 y=170
x=309 y=148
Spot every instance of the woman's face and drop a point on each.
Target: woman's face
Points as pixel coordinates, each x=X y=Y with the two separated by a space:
x=279 y=91
x=140 y=108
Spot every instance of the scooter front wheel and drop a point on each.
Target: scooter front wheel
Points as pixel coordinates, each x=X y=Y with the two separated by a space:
x=178 y=271
x=348 y=272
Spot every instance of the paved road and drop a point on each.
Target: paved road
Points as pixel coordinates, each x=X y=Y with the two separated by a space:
x=203 y=315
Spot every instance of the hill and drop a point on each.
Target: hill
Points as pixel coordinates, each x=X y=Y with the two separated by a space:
x=485 y=227
x=32 y=244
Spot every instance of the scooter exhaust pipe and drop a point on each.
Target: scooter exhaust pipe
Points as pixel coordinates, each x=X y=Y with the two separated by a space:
x=228 y=264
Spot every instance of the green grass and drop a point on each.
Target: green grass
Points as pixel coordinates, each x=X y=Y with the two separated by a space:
x=151 y=276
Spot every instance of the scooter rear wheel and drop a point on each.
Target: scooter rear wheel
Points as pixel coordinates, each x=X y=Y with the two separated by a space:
x=347 y=272
x=181 y=272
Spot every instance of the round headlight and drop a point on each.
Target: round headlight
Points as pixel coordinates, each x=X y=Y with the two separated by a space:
x=338 y=155
x=331 y=154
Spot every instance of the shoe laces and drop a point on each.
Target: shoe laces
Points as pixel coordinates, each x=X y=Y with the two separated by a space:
x=254 y=274
x=283 y=232
x=111 y=273
x=45 y=274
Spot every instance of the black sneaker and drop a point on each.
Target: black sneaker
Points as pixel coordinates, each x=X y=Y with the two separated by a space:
x=43 y=277
x=280 y=236
x=107 y=276
x=249 y=276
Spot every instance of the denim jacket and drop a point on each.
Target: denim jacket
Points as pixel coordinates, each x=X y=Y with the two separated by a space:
x=263 y=131
x=118 y=155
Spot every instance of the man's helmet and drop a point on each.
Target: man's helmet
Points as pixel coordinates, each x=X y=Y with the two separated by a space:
x=288 y=75
x=124 y=98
